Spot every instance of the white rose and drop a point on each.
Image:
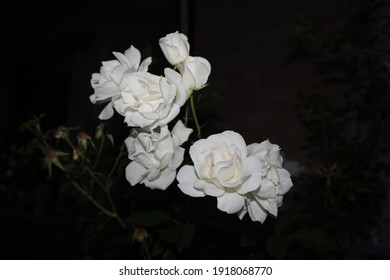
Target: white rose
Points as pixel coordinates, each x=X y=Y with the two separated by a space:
x=275 y=184
x=106 y=84
x=195 y=72
x=155 y=155
x=149 y=100
x=175 y=47
x=221 y=169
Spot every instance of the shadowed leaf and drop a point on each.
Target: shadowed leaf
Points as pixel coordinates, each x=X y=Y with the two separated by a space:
x=181 y=235
x=315 y=239
x=147 y=219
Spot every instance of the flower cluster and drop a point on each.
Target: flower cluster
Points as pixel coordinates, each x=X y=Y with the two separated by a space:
x=244 y=179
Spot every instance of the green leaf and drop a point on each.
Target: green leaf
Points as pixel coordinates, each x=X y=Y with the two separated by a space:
x=181 y=235
x=58 y=163
x=148 y=219
x=277 y=246
x=111 y=139
x=315 y=239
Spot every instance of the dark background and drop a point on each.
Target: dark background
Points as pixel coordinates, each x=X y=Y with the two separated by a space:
x=50 y=51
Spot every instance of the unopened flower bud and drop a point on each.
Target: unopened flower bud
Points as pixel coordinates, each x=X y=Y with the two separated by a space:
x=100 y=130
x=61 y=132
x=139 y=235
x=175 y=47
x=83 y=138
x=52 y=157
x=77 y=154
x=49 y=157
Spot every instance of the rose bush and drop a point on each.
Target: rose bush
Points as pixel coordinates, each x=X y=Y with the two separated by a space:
x=244 y=179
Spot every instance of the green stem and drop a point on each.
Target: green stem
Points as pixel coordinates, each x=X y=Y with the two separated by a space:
x=67 y=140
x=186 y=115
x=95 y=179
x=99 y=152
x=121 y=153
x=198 y=128
x=114 y=214
x=106 y=187
x=92 y=200
x=146 y=250
x=109 y=184
x=115 y=211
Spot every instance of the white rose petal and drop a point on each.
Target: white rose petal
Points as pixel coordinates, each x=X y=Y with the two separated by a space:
x=195 y=72
x=230 y=202
x=223 y=170
x=175 y=78
x=107 y=83
x=134 y=172
x=175 y=47
x=155 y=155
x=275 y=183
x=187 y=177
x=208 y=188
x=148 y=100
x=180 y=133
x=256 y=212
x=107 y=112
x=162 y=182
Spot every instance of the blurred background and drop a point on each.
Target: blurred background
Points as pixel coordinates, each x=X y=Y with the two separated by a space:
x=310 y=76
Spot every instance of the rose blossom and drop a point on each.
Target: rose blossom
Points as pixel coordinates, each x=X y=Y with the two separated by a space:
x=195 y=71
x=175 y=47
x=155 y=155
x=222 y=169
x=106 y=84
x=149 y=100
x=275 y=184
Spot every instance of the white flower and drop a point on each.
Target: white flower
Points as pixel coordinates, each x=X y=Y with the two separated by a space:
x=175 y=47
x=149 y=100
x=222 y=169
x=195 y=72
x=155 y=155
x=106 y=84
x=275 y=184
